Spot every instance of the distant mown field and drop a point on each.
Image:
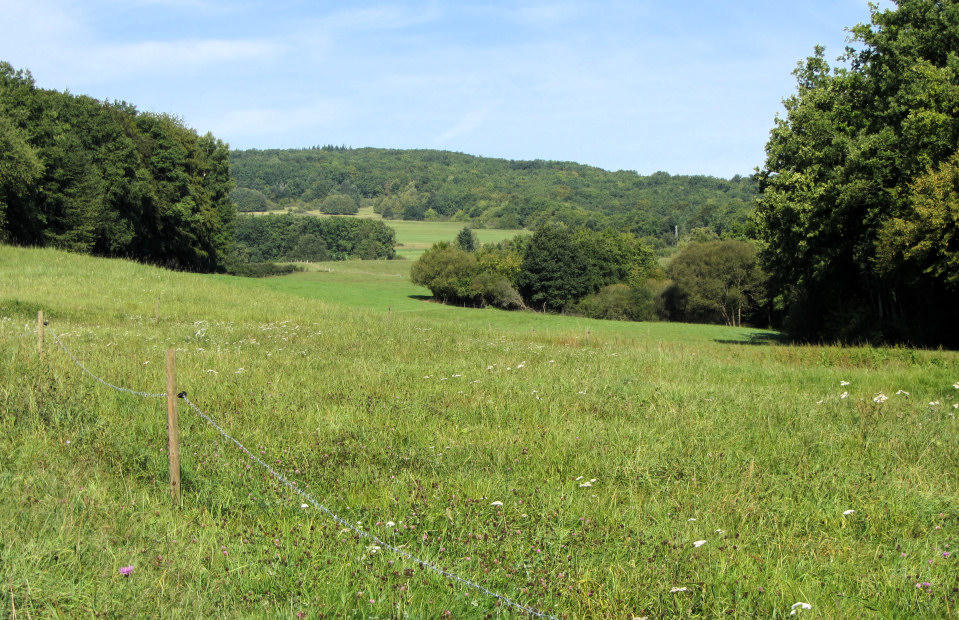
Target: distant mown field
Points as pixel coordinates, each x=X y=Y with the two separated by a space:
x=582 y=469
x=415 y=237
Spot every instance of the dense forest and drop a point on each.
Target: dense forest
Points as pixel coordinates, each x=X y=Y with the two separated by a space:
x=494 y=193
x=268 y=238
x=859 y=210
x=91 y=176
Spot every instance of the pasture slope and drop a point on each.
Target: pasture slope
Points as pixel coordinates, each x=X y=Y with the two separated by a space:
x=654 y=471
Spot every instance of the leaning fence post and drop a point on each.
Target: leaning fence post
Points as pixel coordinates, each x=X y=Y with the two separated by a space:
x=173 y=425
x=40 y=333
x=389 y=310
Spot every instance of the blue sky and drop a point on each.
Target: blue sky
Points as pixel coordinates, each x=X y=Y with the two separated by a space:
x=685 y=87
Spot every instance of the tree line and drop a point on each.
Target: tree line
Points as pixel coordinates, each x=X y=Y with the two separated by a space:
x=858 y=213
x=103 y=178
x=489 y=192
x=605 y=275
x=268 y=238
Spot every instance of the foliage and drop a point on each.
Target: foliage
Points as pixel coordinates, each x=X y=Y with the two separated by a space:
x=619 y=302
x=925 y=238
x=424 y=184
x=339 y=204
x=260 y=270
x=305 y=238
x=91 y=176
x=249 y=199
x=551 y=270
x=457 y=276
x=466 y=240
x=854 y=207
x=554 y=270
x=715 y=281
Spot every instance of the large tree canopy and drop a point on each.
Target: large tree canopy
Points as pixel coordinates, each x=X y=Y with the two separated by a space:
x=99 y=177
x=857 y=209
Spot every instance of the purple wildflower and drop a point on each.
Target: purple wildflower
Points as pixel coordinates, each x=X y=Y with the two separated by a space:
x=126 y=570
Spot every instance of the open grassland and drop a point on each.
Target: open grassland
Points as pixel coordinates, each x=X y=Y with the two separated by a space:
x=656 y=470
x=415 y=237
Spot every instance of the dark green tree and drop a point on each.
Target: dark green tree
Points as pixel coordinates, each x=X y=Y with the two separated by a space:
x=466 y=240
x=716 y=282
x=844 y=207
x=554 y=273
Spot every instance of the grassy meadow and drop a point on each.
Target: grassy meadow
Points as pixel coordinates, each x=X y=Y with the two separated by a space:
x=651 y=470
x=413 y=237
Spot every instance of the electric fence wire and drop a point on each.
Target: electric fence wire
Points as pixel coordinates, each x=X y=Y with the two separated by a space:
x=292 y=486
x=110 y=385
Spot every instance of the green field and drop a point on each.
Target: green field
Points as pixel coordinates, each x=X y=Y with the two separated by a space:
x=577 y=477
x=415 y=237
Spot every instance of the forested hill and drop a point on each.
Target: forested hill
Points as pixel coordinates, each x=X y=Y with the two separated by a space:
x=424 y=184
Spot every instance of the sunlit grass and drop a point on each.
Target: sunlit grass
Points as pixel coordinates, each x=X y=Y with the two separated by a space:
x=611 y=457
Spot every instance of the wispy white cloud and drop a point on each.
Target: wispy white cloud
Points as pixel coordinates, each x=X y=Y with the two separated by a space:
x=469 y=123
x=379 y=18
x=166 y=57
x=273 y=121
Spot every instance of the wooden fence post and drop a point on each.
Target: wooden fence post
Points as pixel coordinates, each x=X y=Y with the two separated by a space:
x=587 y=335
x=173 y=426
x=40 y=333
x=389 y=310
x=156 y=319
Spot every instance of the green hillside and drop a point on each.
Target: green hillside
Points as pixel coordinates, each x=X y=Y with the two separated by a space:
x=496 y=193
x=654 y=470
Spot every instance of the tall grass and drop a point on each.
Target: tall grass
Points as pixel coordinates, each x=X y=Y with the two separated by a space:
x=611 y=458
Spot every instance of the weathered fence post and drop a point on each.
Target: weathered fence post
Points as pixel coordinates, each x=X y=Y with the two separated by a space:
x=156 y=318
x=587 y=335
x=173 y=425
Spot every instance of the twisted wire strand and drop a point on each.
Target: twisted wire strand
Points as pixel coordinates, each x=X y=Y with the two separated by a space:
x=346 y=524
x=292 y=486
x=86 y=370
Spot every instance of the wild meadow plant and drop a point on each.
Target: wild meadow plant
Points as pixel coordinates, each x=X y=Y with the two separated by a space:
x=667 y=471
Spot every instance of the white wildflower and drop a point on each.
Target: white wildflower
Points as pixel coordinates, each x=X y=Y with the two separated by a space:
x=699 y=543
x=848 y=512
x=497 y=503
x=674 y=590
x=934 y=403
x=843 y=383
x=691 y=519
x=304 y=505
x=586 y=484
x=956 y=385
x=720 y=532
x=902 y=393
x=844 y=395
x=880 y=398
x=798 y=607
x=390 y=524
x=373 y=549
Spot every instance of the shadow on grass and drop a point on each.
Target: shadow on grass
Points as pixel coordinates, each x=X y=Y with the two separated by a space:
x=423 y=297
x=760 y=339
